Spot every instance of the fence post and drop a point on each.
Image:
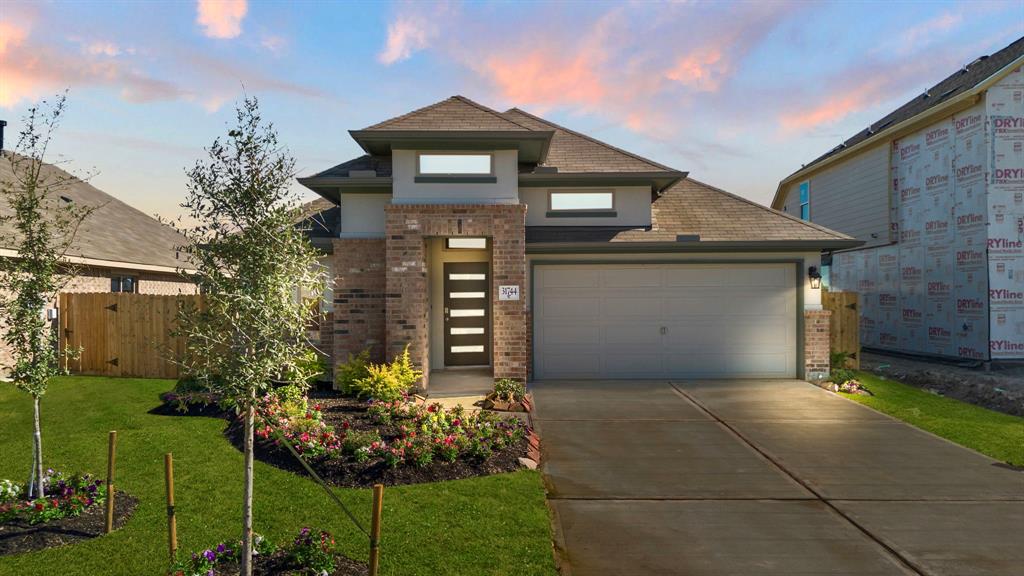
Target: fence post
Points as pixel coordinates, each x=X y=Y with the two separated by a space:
x=378 y=508
x=111 y=454
x=172 y=526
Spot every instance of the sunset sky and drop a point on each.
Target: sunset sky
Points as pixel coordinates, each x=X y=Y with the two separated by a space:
x=738 y=94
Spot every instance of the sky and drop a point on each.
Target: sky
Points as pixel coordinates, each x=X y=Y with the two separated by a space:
x=739 y=94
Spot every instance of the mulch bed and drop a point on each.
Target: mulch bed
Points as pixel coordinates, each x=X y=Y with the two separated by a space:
x=19 y=536
x=277 y=564
x=345 y=471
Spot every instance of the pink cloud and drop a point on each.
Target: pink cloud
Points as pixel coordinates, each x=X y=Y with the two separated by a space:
x=221 y=18
x=703 y=70
x=408 y=33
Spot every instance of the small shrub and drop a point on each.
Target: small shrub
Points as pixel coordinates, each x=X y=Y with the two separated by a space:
x=313 y=551
x=838 y=359
x=205 y=562
x=841 y=375
x=352 y=371
x=509 y=390
x=301 y=424
x=64 y=496
x=387 y=382
x=356 y=440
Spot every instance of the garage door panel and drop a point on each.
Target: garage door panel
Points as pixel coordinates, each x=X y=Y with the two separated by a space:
x=665 y=321
x=629 y=306
x=571 y=307
x=571 y=334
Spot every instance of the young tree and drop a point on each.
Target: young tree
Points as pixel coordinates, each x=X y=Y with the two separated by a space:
x=251 y=263
x=39 y=225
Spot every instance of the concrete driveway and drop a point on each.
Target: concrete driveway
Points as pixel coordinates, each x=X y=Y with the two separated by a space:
x=764 y=477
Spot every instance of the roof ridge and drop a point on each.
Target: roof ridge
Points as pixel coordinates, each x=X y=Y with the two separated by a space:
x=817 y=227
x=592 y=139
x=491 y=111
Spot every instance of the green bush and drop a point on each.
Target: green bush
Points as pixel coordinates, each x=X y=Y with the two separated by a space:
x=838 y=359
x=841 y=375
x=387 y=382
x=352 y=371
x=356 y=439
x=509 y=390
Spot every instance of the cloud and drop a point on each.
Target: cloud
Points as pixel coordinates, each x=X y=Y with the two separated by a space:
x=408 y=33
x=221 y=18
x=926 y=32
x=102 y=47
x=273 y=43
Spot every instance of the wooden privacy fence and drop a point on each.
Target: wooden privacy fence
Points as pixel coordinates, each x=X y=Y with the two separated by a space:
x=121 y=334
x=844 y=324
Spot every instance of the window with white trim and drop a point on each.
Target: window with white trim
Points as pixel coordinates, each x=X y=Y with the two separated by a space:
x=805 y=200
x=581 y=200
x=439 y=164
x=128 y=284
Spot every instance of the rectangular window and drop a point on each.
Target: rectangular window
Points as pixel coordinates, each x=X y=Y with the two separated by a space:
x=455 y=164
x=466 y=243
x=805 y=200
x=581 y=201
x=124 y=284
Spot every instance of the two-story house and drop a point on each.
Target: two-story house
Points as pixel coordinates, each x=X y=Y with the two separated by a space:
x=935 y=190
x=502 y=240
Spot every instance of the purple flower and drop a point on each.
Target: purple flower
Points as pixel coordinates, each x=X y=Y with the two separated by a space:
x=209 y=555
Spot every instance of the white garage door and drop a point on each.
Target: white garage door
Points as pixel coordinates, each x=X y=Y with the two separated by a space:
x=665 y=321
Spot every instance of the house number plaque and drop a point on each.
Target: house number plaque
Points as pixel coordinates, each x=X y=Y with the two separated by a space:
x=508 y=292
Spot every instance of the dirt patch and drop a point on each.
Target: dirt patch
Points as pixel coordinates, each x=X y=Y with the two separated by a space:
x=1002 y=391
x=278 y=564
x=19 y=536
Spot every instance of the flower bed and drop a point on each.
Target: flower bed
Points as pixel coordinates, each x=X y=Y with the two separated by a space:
x=72 y=509
x=312 y=552
x=355 y=443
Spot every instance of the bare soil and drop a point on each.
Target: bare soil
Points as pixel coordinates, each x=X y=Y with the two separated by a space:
x=278 y=564
x=1001 y=389
x=19 y=536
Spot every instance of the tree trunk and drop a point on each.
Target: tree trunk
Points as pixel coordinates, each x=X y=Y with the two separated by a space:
x=35 y=485
x=247 y=513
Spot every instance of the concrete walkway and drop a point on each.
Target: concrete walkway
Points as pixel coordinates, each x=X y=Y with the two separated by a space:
x=764 y=477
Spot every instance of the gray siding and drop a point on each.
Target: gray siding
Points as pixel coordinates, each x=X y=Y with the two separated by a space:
x=851 y=197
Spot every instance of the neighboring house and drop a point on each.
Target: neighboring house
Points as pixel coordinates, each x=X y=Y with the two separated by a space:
x=935 y=189
x=499 y=239
x=117 y=248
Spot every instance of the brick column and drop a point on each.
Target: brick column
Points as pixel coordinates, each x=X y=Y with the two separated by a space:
x=816 y=344
x=408 y=227
x=358 y=298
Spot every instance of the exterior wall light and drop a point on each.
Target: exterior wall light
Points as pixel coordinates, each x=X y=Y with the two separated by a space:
x=815 y=275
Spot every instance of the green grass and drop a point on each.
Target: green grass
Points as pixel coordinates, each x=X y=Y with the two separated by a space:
x=995 y=434
x=492 y=525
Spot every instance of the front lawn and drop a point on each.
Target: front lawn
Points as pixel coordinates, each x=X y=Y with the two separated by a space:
x=995 y=434
x=488 y=525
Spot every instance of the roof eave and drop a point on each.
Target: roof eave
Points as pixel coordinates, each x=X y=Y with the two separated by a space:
x=888 y=133
x=696 y=246
x=533 y=145
x=658 y=180
x=330 y=187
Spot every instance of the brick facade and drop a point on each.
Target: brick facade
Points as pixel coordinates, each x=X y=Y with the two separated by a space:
x=816 y=344
x=358 y=298
x=407 y=306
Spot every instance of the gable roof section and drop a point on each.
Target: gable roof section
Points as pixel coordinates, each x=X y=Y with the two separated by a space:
x=114 y=231
x=457 y=113
x=380 y=164
x=957 y=84
x=706 y=214
x=571 y=151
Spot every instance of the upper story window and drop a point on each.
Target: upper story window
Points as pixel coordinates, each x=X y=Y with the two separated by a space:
x=584 y=203
x=805 y=200
x=468 y=166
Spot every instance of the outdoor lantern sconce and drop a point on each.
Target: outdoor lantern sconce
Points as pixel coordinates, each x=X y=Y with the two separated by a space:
x=815 y=276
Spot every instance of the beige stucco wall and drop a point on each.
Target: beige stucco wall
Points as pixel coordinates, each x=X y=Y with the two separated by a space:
x=407 y=191
x=632 y=207
x=362 y=215
x=437 y=256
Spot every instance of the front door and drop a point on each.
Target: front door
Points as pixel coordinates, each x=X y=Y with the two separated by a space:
x=467 y=338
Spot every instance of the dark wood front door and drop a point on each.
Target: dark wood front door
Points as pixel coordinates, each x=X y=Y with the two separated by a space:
x=467 y=314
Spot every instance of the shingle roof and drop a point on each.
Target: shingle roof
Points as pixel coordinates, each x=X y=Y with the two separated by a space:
x=455 y=113
x=114 y=231
x=958 y=82
x=382 y=164
x=690 y=207
x=571 y=151
x=320 y=218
